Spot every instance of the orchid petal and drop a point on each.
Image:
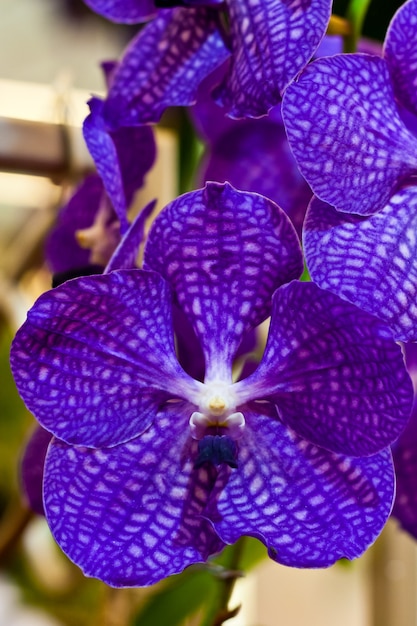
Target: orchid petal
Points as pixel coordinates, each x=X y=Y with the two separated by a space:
x=96 y=358
x=132 y=514
x=122 y=157
x=370 y=261
x=346 y=133
x=400 y=53
x=271 y=42
x=254 y=155
x=333 y=371
x=224 y=252
x=125 y=255
x=123 y=11
x=164 y=65
x=62 y=251
x=309 y=507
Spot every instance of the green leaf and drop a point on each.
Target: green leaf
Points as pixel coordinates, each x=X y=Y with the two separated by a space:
x=200 y=588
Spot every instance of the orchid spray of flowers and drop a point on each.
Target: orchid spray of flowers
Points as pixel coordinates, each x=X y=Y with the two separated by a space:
x=160 y=450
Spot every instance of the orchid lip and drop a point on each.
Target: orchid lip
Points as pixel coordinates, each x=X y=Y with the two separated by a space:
x=216 y=403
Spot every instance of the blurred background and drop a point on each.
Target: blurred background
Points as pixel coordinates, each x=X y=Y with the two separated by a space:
x=49 y=67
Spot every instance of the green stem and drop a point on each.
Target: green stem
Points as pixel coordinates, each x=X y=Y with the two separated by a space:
x=355 y=14
x=227 y=576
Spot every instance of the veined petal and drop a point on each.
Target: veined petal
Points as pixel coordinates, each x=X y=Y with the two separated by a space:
x=122 y=157
x=164 y=65
x=224 y=252
x=96 y=358
x=272 y=41
x=370 y=261
x=62 y=251
x=132 y=515
x=125 y=255
x=123 y=11
x=309 y=507
x=400 y=52
x=334 y=372
x=346 y=133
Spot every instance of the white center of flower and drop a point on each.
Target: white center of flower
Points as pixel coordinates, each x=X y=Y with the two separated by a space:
x=217 y=409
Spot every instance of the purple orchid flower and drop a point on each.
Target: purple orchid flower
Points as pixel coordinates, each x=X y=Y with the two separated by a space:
x=404 y=453
x=352 y=122
x=151 y=470
x=122 y=158
x=268 y=43
x=92 y=223
x=252 y=155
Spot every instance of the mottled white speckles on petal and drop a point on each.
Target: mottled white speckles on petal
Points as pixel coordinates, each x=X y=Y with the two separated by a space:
x=91 y=387
x=247 y=248
x=372 y=261
x=348 y=391
x=271 y=43
x=135 y=536
x=356 y=163
x=329 y=507
x=400 y=52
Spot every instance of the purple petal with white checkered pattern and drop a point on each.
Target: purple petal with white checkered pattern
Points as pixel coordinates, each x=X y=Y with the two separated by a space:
x=164 y=65
x=400 y=53
x=346 y=134
x=126 y=253
x=122 y=157
x=224 y=252
x=123 y=11
x=62 y=251
x=132 y=514
x=310 y=507
x=370 y=261
x=271 y=42
x=96 y=357
x=333 y=371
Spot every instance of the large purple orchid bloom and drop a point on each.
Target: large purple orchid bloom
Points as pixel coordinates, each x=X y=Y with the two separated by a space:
x=268 y=44
x=352 y=122
x=151 y=470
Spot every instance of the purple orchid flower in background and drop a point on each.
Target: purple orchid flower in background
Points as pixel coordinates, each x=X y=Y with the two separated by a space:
x=404 y=453
x=122 y=158
x=268 y=43
x=252 y=155
x=92 y=223
x=150 y=470
x=63 y=252
x=124 y=256
x=351 y=122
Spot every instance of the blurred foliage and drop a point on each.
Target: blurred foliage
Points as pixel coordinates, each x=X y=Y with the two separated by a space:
x=15 y=422
x=377 y=18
